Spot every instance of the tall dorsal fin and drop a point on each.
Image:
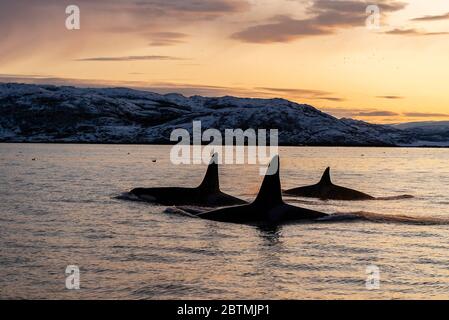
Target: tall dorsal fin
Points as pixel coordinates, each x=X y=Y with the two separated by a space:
x=211 y=181
x=270 y=192
x=326 y=178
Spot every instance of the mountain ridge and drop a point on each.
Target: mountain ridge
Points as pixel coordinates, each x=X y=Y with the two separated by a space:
x=67 y=114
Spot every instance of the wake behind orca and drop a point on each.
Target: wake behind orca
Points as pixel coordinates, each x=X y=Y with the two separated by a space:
x=268 y=208
x=206 y=194
x=337 y=217
x=326 y=190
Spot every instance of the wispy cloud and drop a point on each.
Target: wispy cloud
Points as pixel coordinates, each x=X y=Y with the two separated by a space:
x=381 y=115
x=193 y=8
x=129 y=58
x=433 y=17
x=294 y=91
x=281 y=29
x=167 y=38
x=326 y=17
x=425 y=115
x=378 y=114
x=301 y=93
x=390 y=97
x=188 y=89
x=38 y=26
x=335 y=99
x=414 y=32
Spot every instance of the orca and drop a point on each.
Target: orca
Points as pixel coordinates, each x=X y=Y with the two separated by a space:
x=326 y=190
x=207 y=194
x=267 y=209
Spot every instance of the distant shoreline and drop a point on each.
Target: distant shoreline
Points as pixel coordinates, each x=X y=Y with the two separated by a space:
x=172 y=144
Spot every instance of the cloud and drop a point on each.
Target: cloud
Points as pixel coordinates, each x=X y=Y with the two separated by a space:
x=348 y=112
x=183 y=88
x=121 y=25
x=354 y=112
x=283 y=29
x=390 y=97
x=425 y=115
x=130 y=58
x=202 y=9
x=378 y=114
x=294 y=91
x=335 y=99
x=300 y=93
x=433 y=18
x=414 y=32
x=360 y=113
x=341 y=112
x=187 y=89
x=325 y=17
x=167 y=38
x=14 y=77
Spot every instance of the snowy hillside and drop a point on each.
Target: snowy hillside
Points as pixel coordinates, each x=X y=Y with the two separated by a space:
x=439 y=125
x=428 y=133
x=46 y=113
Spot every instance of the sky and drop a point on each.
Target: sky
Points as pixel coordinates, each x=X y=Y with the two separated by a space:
x=319 y=52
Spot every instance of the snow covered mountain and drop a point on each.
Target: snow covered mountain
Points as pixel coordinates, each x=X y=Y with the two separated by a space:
x=47 y=113
x=438 y=125
x=430 y=133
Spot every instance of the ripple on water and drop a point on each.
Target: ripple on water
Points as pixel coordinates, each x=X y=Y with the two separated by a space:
x=62 y=212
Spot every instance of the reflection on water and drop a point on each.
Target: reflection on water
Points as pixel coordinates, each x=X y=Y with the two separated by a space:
x=61 y=210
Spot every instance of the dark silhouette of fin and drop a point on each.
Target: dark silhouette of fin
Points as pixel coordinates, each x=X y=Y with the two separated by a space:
x=267 y=209
x=211 y=181
x=270 y=193
x=326 y=178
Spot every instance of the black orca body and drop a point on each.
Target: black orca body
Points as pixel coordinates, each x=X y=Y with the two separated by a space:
x=268 y=208
x=206 y=194
x=326 y=190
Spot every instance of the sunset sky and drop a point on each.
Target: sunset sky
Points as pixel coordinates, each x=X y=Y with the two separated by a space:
x=318 y=52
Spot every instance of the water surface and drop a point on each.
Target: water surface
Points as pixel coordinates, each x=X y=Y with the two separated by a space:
x=60 y=210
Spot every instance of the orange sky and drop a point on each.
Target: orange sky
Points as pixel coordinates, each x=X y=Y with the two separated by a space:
x=318 y=52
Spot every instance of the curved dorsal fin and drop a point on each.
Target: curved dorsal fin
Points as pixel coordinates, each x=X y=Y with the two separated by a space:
x=326 y=178
x=211 y=181
x=270 y=192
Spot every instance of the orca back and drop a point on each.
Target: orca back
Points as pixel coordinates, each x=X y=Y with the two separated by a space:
x=328 y=190
x=268 y=208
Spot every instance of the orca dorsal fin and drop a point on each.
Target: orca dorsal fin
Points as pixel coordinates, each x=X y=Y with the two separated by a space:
x=326 y=178
x=270 y=192
x=211 y=181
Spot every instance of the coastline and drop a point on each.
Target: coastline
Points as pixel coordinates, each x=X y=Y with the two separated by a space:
x=280 y=145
